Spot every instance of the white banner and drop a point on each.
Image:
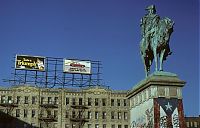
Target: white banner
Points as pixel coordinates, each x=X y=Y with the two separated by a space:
x=77 y=66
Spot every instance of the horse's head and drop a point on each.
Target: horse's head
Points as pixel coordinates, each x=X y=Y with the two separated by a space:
x=168 y=23
x=165 y=29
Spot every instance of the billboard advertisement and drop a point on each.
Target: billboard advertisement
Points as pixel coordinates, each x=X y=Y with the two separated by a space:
x=77 y=66
x=30 y=62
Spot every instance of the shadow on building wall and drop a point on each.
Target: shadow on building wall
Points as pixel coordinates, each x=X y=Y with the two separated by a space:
x=8 y=121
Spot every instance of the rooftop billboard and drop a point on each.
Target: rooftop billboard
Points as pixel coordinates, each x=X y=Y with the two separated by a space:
x=30 y=62
x=77 y=66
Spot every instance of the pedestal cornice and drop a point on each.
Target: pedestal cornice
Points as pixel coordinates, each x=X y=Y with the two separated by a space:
x=157 y=79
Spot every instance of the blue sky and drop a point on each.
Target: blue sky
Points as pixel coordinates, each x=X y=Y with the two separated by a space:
x=105 y=30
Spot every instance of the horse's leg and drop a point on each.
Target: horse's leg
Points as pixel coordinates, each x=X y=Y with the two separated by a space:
x=161 y=59
x=148 y=66
x=155 y=57
x=146 y=70
x=145 y=67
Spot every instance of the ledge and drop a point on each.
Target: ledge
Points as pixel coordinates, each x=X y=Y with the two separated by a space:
x=159 y=78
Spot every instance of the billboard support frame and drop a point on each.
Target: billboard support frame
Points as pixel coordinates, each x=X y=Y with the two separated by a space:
x=54 y=77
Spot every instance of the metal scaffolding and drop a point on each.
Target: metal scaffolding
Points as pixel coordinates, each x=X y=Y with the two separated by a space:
x=54 y=76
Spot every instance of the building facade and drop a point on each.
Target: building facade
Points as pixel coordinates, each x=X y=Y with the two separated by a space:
x=93 y=107
x=192 y=122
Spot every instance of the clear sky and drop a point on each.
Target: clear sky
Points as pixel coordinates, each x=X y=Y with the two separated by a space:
x=105 y=30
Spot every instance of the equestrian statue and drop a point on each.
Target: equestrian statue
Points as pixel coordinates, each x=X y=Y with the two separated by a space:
x=156 y=34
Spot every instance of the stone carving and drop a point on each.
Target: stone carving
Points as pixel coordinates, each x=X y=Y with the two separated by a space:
x=156 y=34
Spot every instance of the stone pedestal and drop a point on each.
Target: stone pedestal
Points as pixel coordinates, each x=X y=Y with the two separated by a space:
x=156 y=102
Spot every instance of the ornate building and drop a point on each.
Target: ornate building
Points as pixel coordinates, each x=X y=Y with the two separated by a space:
x=192 y=122
x=93 y=107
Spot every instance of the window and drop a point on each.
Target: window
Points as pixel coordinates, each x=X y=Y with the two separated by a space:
x=18 y=100
x=33 y=100
x=41 y=113
x=48 y=113
x=187 y=124
x=80 y=101
x=96 y=125
x=119 y=126
x=125 y=115
x=55 y=113
x=89 y=115
x=26 y=100
x=125 y=102
x=96 y=115
x=49 y=100
x=9 y=99
x=67 y=100
x=112 y=126
x=73 y=101
x=33 y=125
x=73 y=126
x=79 y=114
x=42 y=100
x=112 y=115
x=112 y=102
x=55 y=125
x=66 y=125
x=103 y=115
x=104 y=125
x=89 y=125
x=41 y=125
x=191 y=124
x=73 y=114
x=17 y=112
x=119 y=115
x=33 y=113
x=3 y=99
x=118 y=102
x=66 y=114
x=55 y=100
x=103 y=102
x=89 y=101
x=96 y=101
x=195 y=124
x=125 y=126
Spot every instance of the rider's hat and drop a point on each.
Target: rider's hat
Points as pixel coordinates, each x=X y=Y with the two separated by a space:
x=151 y=7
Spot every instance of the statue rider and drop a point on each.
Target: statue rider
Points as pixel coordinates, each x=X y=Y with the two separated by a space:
x=149 y=24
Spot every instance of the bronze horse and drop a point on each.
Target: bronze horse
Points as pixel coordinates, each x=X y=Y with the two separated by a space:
x=157 y=45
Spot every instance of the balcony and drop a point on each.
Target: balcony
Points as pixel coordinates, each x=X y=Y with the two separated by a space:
x=48 y=118
x=79 y=106
x=78 y=119
x=49 y=105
